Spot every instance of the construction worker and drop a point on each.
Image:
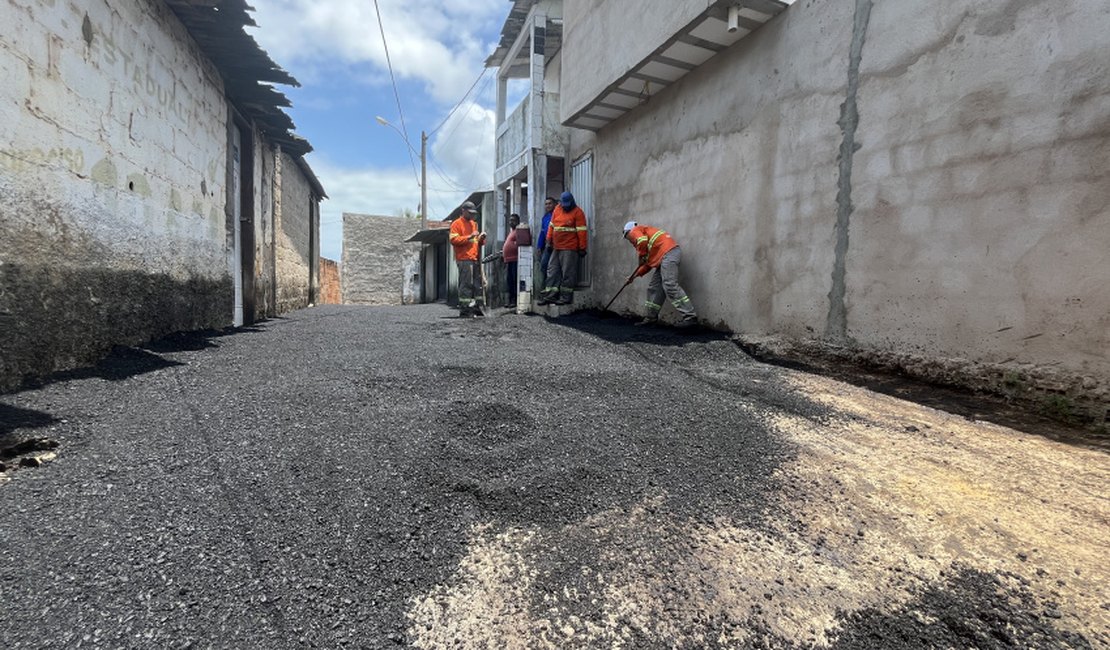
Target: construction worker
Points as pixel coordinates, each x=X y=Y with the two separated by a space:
x=466 y=240
x=566 y=235
x=658 y=250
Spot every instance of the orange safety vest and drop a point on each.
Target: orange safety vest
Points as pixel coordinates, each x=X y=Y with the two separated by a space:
x=652 y=244
x=567 y=231
x=466 y=249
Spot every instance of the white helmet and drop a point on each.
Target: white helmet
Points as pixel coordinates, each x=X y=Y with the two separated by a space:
x=629 y=226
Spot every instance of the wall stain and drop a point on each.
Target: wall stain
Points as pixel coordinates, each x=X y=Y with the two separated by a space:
x=1004 y=20
x=105 y=173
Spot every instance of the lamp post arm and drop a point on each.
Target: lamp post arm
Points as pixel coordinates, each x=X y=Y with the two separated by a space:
x=423 y=153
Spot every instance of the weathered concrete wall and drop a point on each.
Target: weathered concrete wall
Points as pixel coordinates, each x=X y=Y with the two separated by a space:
x=265 y=250
x=112 y=183
x=377 y=263
x=329 y=283
x=923 y=184
x=294 y=237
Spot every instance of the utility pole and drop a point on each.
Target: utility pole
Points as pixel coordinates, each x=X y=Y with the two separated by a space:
x=423 y=180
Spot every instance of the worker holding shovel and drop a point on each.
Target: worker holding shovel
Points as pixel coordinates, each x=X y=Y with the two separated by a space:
x=466 y=240
x=658 y=250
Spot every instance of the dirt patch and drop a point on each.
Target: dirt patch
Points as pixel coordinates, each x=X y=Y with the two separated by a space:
x=891 y=524
x=1054 y=417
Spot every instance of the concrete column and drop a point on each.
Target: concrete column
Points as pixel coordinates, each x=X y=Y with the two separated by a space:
x=502 y=90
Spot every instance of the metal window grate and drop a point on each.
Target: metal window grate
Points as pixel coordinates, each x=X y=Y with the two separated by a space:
x=582 y=187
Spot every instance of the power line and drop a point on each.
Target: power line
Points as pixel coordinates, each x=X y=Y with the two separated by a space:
x=452 y=111
x=455 y=127
x=447 y=178
x=396 y=94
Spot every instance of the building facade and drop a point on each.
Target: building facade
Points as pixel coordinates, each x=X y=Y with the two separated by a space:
x=149 y=183
x=531 y=146
x=921 y=185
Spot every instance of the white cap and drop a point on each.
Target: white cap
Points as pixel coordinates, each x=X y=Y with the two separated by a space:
x=629 y=226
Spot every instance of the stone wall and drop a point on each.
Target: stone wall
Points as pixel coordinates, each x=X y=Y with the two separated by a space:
x=112 y=183
x=925 y=185
x=378 y=266
x=294 y=237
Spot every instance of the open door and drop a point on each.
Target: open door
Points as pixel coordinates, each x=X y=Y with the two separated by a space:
x=245 y=217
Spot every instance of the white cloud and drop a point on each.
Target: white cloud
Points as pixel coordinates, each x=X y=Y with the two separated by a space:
x=463 y=147
x=436 y=42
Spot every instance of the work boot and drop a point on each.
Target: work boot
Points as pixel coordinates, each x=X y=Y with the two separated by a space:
x=646 y=321
x=689 y=320
x=565 y=300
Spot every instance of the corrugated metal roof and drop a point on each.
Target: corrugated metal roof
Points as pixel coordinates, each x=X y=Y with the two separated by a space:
x=510 y=32
x=247 y=70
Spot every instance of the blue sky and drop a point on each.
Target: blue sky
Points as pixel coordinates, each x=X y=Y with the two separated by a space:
x=334 y=49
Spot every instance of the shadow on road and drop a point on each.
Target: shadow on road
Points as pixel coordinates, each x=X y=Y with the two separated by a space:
x=124 y=362
x=618 y=329
x=14 y=417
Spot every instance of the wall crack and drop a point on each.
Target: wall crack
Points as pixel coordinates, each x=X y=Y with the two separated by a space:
x=836 y=326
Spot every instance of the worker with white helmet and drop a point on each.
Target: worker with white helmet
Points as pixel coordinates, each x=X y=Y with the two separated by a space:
x=658 y=250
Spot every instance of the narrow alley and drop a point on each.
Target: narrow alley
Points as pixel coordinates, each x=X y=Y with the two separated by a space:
x=397 y=477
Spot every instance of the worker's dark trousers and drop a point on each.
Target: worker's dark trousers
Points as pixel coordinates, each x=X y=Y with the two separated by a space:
x=470 y=287
x=562 y=276
x=510 y=280
x=664 y=283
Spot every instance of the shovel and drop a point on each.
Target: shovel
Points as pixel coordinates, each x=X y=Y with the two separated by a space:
x=614 y=298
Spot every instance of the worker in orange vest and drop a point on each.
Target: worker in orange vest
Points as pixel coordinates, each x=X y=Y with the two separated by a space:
x=566 y=235
x=466 y=240
x=658 y=250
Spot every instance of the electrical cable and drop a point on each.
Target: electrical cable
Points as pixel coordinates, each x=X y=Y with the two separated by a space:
x=396 y=94
x=452 y=111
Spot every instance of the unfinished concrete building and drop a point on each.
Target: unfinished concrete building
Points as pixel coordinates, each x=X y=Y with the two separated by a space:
x=531 y=147
x=149 y=180
x=921 y=185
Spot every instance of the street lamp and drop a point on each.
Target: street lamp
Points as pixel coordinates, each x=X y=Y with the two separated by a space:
x=423 y=167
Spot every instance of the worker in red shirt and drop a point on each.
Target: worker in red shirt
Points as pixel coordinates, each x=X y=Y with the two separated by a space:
x=510 y=253
x=566 y=235
x=658 y=250
x=466 y=240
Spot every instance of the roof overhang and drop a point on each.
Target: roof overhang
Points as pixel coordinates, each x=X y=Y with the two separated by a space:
x=691 y=46
x=511 y=57
x=247 y=70
x=436 y=232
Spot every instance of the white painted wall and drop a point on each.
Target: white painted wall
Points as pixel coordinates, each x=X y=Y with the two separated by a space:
x=121 y=133
x=979 y=186
x=113 y=162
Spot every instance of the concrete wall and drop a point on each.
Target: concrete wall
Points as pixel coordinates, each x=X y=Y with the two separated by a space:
x=923 y=184
x=294 y=237
x=112 y=183
x=329 y=283
x=378 y=266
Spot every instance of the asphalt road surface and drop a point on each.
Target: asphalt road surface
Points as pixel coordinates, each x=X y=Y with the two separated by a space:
x=397 y=477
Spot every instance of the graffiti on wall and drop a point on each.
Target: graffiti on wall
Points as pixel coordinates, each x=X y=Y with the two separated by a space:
x=23 y=160
x=139 y=75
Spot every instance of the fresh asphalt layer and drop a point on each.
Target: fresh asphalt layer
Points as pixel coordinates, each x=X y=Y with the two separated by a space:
x=320 y=480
